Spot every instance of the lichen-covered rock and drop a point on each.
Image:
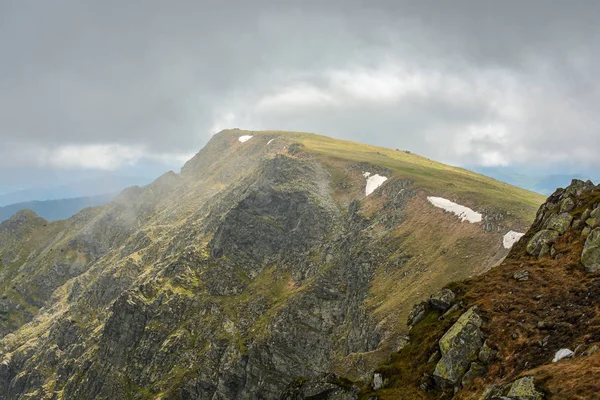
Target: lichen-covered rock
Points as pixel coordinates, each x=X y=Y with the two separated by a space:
x=522 y=275
x=442 y=300
x=567 y=205
x=524 y=389
x=486 y=354
x=416 y=314
x=559 y=222
x=459 y=346
x=590 y=257
x=476 y=370
x=543 y=237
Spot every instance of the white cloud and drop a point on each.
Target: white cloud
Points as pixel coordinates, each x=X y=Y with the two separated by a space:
x=107 y=157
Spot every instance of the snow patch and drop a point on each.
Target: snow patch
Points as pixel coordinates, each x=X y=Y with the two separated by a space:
x=462 y=212
x=373 y=182
x=269 y=142
x=562 y=353
x=511 y=238
x=245 y=138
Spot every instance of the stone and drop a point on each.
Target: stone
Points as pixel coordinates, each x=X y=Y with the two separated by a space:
x=476 y=370
x=492 y=392
x=562 y=353
x=559 y=222
x=541 y=238
x=459 y=346
x=591 y=350
x=586 y=231
x=567 y=205
x=486 y=354
x=590 y=256
x=442 y=300
x=521 y=275
x=377 y=381
x=586 y=214
x=544 y=251
x=416 y=314
x=576 y=224
x=524 y=389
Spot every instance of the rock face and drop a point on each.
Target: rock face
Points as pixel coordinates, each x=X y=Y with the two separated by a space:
x=459 y=347
x=442 y=300
x=590 y=257
x=541 y=241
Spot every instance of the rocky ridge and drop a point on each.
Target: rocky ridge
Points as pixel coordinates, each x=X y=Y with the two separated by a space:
x=528 y=329
x=261 y=271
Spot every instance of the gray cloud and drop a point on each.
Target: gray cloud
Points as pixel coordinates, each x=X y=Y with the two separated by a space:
x=103 y=84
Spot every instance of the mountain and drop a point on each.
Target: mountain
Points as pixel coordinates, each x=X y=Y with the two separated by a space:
x=544 y=184
x=275 y=265
x=527 y=329
x=99 y=186
x=53 y=210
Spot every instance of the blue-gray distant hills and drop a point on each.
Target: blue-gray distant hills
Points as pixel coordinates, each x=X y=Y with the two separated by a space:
x=54 y=210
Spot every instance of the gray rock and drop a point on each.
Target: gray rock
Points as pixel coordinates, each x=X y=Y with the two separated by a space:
x=416 y=314
x=486 y=354
x=567 y=205
x=377 y=381
x=561 y=354
x=524 y=389
x=476 y=370
x=559 y=222
x=590 y=256
x=541 y=238
x=521 y=275
x=442 y=300
x=459 y=346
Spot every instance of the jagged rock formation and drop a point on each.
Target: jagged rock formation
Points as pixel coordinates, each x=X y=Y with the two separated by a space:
x=262 y=271
x=513 y=330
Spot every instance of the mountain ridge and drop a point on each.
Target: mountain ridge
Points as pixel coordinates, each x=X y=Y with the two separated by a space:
x=264 y=262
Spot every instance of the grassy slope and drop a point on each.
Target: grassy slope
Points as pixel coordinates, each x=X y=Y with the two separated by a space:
x=435 y=177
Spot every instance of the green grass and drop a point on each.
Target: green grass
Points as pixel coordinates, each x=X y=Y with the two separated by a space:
x=434 y=177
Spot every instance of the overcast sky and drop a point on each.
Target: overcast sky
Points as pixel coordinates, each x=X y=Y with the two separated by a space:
x=114 y=85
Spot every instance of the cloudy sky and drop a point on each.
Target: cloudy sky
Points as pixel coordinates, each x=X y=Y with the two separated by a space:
x=93 y=86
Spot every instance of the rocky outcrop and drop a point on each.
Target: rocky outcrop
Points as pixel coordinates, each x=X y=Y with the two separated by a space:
x=590 y=257
x=460 y=347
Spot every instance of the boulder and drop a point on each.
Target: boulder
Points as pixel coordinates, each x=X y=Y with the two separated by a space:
x=486 y=354
x=416 y=314
x=590 y=257
x=562 y=353
x=524 y=389
x=377 y=381
x=459 y=346
x=543 y=237
x=442 y=300
x=567 y=205
x=476 y=370
x=559 y=222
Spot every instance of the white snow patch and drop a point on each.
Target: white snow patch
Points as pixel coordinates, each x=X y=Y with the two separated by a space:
x=373 y=182
x=464 y=213
x=511 y=238
x=269 y=142
x=245 y=138
x=562 y=353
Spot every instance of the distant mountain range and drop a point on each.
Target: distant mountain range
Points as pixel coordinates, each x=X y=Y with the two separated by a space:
x=543 y=184
x=86 y=188
x=54 y=210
